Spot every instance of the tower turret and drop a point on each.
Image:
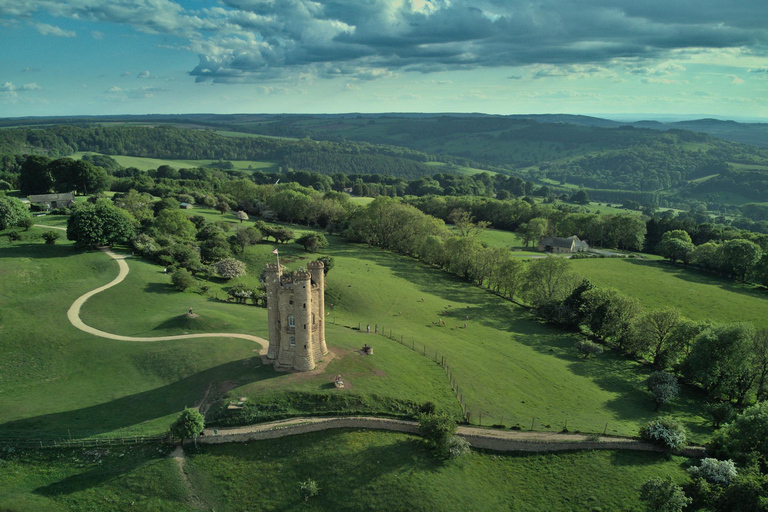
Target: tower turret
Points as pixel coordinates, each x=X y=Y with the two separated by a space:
x=273 y=273
x=317 y=271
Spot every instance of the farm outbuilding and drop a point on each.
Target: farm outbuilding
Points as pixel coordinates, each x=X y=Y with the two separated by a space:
x=562 y=245
x=51 y=201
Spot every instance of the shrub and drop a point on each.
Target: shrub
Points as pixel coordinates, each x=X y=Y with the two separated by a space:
x=230 y=267
x=313 y=242
x=720 y=472
x=188 y=425
x=309 y=488
x=26 y=223
x=439 y=429
x=663 y=386
x=182 y=279
x=721 y=412
x=14 y=236
x=50 y=237
x=588 y=348
x=664 y=431
x=663 y=496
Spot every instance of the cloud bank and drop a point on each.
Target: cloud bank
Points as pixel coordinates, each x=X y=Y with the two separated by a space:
x=256 y=40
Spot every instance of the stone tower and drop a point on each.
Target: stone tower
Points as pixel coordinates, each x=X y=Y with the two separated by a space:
x=296 y=316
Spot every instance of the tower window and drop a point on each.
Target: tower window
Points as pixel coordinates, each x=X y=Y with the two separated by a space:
x=305 y=305
x=293 y=341
x=291 y=321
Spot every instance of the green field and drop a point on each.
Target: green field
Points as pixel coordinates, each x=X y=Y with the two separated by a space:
x=146 y=164
x=355 y=470
x=700 y=296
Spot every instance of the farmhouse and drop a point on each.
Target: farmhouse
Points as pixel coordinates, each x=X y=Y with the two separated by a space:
x=562 y=245
x=296 y=314
x=50 y=201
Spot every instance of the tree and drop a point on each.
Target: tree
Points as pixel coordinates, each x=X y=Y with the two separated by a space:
x=663 y=495
x=175 y=223
x=188 y=425
x=242 y=216
x=534 y=230
x=465 y=223
x=663 y=387
x=580 y=197
x=653 y=337
x=328 y=263
x=99 y=224
x=80 y=176
x=549 y=280
x=243 y=237
x=50 y=237
x=312 y=242
x=610 y=314
x=281 y=234
x=744 y=437
x=722 y=361
x=664 y=431
x=215 y=248
x=230 y=267
x=12 y=211
x=182 y=279
x=740 y=257
x=35 y=177
x=223 y=207
x=138 y=204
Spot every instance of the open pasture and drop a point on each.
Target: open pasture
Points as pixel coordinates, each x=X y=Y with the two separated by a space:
x=384 y=471
x=146 y=164
x=698 y=295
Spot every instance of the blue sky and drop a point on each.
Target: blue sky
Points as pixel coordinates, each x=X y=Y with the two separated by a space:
x=697 y=57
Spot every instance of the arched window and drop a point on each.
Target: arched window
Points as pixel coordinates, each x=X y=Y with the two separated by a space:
x=291 y=321
x=293 y=341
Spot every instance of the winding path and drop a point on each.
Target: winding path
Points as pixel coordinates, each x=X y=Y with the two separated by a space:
x=73 y=314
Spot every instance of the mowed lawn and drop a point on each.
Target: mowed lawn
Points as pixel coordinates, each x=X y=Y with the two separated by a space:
x=356 y=470
x=696 y=294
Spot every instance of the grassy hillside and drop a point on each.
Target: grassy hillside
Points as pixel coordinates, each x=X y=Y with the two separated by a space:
x=697 y=295
x=355 y=470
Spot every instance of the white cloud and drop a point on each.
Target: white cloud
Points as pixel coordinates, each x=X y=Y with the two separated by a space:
x=52 y=30
x=30 y=87
x=97 y=35
x=662 y=81
x=114 y=89
x=143 y=74
x=126 y=73
x=735 y=80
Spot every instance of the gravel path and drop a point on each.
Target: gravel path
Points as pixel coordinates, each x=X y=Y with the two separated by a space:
x=73 y=314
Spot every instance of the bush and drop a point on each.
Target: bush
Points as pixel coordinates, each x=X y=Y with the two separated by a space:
x=26 y=223
x=719 y=472
x=588 y=348
x=188 y=425
x=313 y=242
x=309 y=488
x=182 y=279
x=663 y=386
x=664 y=431
x=230 y=267
x=663 y=496
x=439 y=429
x=14 y=236
x=50 y=237
x=721 y=412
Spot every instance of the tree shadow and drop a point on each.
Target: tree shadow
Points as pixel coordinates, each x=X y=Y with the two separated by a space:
x=39 y=251
x=160 y=288
x=132 y=410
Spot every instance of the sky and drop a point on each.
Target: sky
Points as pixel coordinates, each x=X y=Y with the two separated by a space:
x=607 y=57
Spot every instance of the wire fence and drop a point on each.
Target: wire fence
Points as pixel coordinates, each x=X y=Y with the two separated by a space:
x=74 y=438
x=473 y=415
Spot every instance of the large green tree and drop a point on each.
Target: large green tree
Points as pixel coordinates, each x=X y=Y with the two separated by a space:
x=99 y=224
x=188 y=425
x=12 y=211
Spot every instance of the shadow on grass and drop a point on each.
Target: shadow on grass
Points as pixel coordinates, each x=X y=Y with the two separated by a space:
x=38 y=251
x=615 y=372
x=160 y=288
x=132 y=410
x=696 y=276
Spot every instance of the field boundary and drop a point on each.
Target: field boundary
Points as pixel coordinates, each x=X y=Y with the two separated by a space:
x=485 y=439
